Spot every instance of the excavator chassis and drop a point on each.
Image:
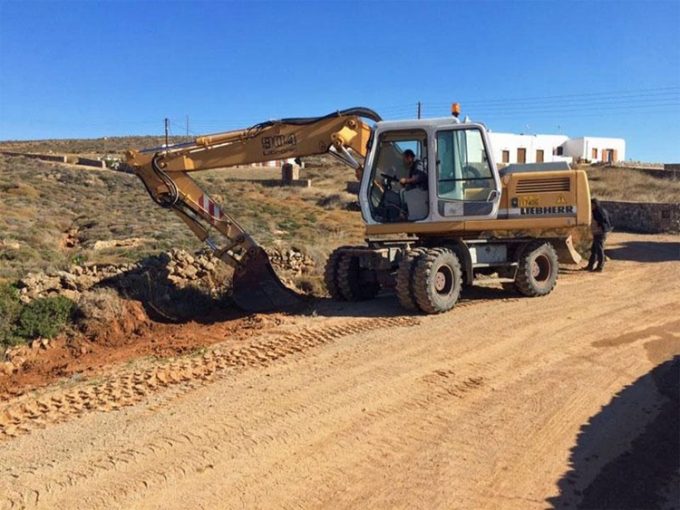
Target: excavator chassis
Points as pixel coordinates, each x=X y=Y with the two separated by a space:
x=428 y=274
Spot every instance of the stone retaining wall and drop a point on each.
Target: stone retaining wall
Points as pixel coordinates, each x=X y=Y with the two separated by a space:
x=72 y=160
x=644 y=217
x=44 y=157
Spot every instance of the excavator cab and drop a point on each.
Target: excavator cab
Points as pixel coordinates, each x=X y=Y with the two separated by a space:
x=462 y=180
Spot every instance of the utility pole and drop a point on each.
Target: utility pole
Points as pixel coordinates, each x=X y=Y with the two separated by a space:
x=187 y=126
x=419 y=108
x=166 y=133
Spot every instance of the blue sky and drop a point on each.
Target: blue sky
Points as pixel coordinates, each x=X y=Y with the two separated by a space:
x=90 y=69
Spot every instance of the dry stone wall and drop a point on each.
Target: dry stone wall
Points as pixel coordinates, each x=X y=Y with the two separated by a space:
x=646 y=217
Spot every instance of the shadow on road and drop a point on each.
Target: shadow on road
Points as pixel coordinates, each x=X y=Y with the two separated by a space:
x=387 y=305
x=646 y=251
x=639 y=431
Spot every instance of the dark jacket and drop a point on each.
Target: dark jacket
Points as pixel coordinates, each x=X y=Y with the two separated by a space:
x=601 y=216
x=419 y=173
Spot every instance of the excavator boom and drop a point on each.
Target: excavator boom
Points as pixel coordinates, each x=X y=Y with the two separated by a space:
x=165 y=174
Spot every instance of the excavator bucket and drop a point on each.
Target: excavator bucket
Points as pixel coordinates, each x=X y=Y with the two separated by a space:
x=257 y=288
x=566 y=253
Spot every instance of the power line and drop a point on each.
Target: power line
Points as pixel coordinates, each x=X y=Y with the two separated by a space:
x=593 y=108
x=573 y=103
x=620 y=93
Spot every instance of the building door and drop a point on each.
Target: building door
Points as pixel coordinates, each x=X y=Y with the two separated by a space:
x=608 y=155
x=594 y=155
x=505 y=156
x=521 y=155
x=539 y=156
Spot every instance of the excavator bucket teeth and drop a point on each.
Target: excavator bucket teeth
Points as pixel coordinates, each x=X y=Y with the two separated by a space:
x=257 y=288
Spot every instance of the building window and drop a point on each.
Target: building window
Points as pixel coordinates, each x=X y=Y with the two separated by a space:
x=505 y=156
x=594 y=154
x=539 y=156
x=521 y=155
x=558 y=151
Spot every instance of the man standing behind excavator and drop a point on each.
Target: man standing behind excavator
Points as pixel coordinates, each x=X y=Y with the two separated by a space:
x=600 y=227
x=416 y=175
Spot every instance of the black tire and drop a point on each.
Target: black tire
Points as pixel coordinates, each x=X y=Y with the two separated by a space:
x=538 y=269
x=404 y=279
x=330 y=275
x=356 y=283
x=437 y=280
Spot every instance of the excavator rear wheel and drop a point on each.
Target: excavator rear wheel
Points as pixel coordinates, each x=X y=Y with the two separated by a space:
x=331 y=273
x=437 y=280
x=404 y=279
x=538 y=268
x=356 y=283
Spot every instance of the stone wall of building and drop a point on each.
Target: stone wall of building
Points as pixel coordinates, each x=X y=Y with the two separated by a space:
x=644 y=216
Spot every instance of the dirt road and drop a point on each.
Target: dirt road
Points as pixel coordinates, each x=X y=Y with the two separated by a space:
x=565 y=401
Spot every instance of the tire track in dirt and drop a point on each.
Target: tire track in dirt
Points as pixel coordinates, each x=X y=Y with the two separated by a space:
x=202 y=450
x=125 y=389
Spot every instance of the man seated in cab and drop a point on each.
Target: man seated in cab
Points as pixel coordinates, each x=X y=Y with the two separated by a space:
x=417 y=177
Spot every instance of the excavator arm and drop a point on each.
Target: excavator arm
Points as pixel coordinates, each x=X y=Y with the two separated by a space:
x=165 y=174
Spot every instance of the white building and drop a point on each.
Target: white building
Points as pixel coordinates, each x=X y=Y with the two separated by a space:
x=512 y=148
x=594 y=149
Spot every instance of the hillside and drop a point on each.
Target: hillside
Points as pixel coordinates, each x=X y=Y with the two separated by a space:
x=88 y=146
x=52 y=215
x=620 y=183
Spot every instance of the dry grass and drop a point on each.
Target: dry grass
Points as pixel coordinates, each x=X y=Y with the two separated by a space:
x=614 y=183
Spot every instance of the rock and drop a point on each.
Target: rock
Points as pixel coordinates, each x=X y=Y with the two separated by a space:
x=45 y=343
x=176 y=280
x=85 y=282
x=189 y=272
x=68 y=280
x=7 y=368
x=10 y=244
x=73 y=295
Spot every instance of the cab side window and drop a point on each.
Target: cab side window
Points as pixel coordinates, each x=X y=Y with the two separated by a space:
x=463 y=170
x=400 y=155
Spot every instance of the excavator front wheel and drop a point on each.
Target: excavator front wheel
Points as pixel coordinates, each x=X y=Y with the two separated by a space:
x=404 y=279
x=437 y=280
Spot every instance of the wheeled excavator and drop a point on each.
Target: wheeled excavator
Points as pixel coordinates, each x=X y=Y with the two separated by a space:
x=469 y=218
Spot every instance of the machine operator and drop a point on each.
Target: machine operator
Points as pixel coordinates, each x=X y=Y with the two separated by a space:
x=417 y=177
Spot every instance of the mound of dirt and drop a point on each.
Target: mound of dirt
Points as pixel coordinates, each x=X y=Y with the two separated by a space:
x=103 y=316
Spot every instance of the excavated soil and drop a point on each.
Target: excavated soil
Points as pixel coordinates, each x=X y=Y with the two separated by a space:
x=566 y=401
x=130 y=337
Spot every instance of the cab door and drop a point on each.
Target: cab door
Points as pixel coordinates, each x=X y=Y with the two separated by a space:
x=467 y=184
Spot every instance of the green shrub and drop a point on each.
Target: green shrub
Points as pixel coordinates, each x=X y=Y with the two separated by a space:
x=10 y=307
x=45 y=317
